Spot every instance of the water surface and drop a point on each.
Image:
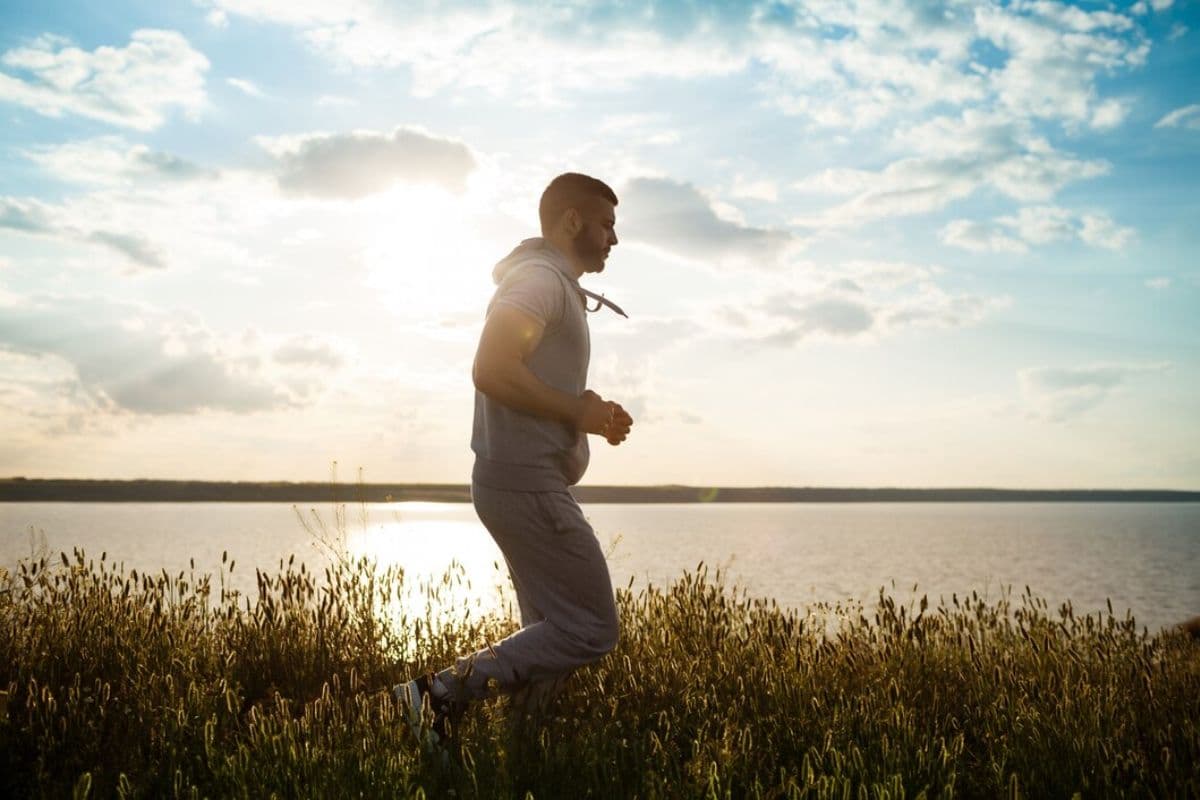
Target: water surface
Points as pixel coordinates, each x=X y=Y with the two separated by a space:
x=1144 y=557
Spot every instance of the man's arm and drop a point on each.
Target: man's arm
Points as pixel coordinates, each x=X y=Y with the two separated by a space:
x=509 y=337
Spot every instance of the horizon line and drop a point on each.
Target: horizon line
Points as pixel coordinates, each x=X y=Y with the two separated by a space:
x=25 y=489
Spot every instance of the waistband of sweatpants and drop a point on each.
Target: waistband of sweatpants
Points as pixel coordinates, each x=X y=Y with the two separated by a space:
x=516 y=477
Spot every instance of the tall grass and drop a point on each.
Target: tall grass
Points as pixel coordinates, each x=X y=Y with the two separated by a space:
x=170 y=685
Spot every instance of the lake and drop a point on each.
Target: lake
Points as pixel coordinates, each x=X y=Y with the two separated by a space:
x=1144 y=557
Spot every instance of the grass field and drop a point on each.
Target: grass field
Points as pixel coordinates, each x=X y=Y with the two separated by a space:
x=123 y=684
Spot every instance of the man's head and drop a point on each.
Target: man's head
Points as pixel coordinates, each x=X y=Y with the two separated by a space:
x=578 y=216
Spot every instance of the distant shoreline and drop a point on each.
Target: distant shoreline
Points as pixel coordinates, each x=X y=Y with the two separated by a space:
x=18 y=490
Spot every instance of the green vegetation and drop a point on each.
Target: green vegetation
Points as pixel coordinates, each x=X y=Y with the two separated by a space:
x=121 y=684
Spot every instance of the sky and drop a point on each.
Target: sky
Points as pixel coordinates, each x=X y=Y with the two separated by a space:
x=861 y=243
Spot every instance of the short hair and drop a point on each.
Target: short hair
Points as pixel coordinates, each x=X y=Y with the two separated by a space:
x=570 y=190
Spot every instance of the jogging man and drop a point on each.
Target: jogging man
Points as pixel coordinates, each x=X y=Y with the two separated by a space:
x=533 y=412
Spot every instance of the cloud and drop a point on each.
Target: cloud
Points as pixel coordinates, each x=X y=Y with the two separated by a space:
x=470 y=46
x=39 y=219
x=25 y=216
x=1159 y=283
x=353 y=165
x=110 y=160
x=956 y=157
x=1042 y=224
x=856 y=300
x=134 y=247
x=1100 y=231
x=246 y=87
x=650 y=129
x=1187 y=117
x=129 y=358
x=1063 y=393
x=831 y=314
x=885 y=60
x=764 y=190
x=135 y=86
x=1054 y=55
x=845 y=66
x=308 y=352
x=979 y=238
x=1037 y=225
x=678 y=217
x=1109 y=114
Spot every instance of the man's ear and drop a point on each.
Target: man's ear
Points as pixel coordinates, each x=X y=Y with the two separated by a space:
x=572 y=221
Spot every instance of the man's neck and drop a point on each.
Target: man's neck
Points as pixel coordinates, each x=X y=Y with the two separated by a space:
x=566 y=251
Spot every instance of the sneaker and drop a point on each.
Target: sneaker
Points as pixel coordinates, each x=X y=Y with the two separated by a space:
x=414 y=697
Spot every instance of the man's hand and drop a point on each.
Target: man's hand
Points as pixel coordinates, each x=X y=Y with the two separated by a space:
x=603 y=418
x=618 y=427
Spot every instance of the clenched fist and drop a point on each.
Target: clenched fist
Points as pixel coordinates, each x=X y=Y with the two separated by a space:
x=603 y=418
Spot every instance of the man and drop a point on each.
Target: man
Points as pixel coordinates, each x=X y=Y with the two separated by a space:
x=533 y=412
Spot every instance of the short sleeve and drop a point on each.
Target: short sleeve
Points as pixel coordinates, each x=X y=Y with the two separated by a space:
x=534 y=289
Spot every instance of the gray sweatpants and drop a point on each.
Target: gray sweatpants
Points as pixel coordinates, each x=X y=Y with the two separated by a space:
x=563 y=588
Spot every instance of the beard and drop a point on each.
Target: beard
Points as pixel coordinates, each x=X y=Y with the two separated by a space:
x=587 y=252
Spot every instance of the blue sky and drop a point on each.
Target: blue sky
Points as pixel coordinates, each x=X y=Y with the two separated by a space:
x=862 y=244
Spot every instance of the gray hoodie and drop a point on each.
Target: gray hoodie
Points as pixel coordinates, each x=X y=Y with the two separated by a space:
x=519 y=451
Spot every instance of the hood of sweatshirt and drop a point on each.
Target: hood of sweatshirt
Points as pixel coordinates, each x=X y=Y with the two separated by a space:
x=532 y=250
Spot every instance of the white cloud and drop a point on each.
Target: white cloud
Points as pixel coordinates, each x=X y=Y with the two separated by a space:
x=248 y=88
x=1036 y=225
x=650 y=129
x=956 y=157
x=838 y=65
x=457 y=45
x=309 y=351
x=837 y=181
x=135 y=86
x=1063 y=393
x=111 y=161
x=1110 y=113
x=1185 y=117
x=763 y=189
x=1054 y=56
x=1042 y=224
x=894 y=59
x=217 y=18
x=922 y=185
x=159 y=366
x=980 y=238
x=353 y=165
x=35 y=218
x=1159 y=283
x=861 y=300
x=136 y=248
x=678 y=217
x=1045 y=224
x=1100 y=231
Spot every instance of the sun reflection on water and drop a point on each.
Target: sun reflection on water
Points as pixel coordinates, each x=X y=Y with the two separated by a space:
x=450 y=566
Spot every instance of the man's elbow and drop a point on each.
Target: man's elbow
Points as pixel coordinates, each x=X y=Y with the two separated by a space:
x=484 y=378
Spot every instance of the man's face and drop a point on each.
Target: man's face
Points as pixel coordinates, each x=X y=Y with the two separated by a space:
x=597 y=235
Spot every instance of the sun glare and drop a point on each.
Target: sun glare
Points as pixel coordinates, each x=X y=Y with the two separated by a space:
x=423 y=255
x=430 y=548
